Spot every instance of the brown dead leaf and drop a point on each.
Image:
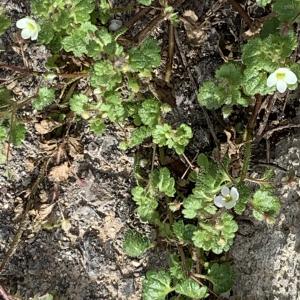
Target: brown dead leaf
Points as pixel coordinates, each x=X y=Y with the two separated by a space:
x=46 y=126
x=49 y=147
x=191 y=16
x=60 y=173
x=43 y=212
x=75 y=148
x=195 y=31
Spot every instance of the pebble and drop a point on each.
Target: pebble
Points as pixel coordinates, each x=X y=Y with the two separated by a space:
x=115 y=25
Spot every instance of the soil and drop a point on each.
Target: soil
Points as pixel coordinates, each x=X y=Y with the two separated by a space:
x=72 y=244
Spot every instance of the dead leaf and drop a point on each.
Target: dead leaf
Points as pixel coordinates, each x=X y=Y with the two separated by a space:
x=60 y=173
x=43 y=212
x=195 y=31
x=75 y=148
x=191 y=16
x=49 y=147
x=46 y=126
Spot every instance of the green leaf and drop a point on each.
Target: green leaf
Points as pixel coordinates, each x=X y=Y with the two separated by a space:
x=176 y=269
x=135 y=244
x=145 y=58
x=145 y=2
x=113 y=107
x=209 y=181
x=191 y=289
x=46 y=96
x=198 y=204
x=78 y=103
x=287 y=11
x=164 y=135
x=222 y=276
x=104 y=11
x=214 y=95
x=216 y=235
x=255 y=82
x=230 y=74
x=244 y=198
x=17 y=133
x=269 y=27
x=162 y=180
x=137 y=137
x=97 y=126
x=104 y=75
x=156 y=285
x=61 y=21
x=77 y=42
x=268 y=54
x=4 y=21
x=149 y=112
x=266 y=206
x=263 y=3
x=146 y=202
x=183 y=232
x=81 y=12
x=210 y=95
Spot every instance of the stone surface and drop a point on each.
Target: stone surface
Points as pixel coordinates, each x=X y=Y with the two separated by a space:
x=267 y=258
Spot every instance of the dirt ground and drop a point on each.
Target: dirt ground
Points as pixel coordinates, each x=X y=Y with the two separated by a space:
x=72 y=247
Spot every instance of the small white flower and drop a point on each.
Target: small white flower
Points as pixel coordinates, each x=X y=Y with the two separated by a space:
x=281 y=78
x=30 y=28
x=228 y=197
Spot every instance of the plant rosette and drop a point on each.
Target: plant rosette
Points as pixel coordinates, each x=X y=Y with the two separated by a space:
x=30 y=28
x=228 y=198
x=282 y=78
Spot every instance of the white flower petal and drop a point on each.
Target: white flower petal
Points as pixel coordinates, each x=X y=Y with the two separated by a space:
x=281 y=86
x=230 y=204
x=25 y=34
x=291 y=77
x=22 y=23
x=34 y=35
x=219 y=201
x=225 y=191
x=271 y=81
x=234 y=194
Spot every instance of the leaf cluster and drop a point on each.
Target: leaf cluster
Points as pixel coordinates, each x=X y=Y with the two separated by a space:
x=135 y=244
x=208 y=182
x=236 y=84
x=266 y=206
x=161 y=184
x=158 y=284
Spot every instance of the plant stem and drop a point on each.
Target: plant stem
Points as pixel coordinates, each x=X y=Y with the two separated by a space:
x=249 y=137
x=171 y=49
